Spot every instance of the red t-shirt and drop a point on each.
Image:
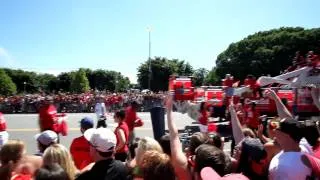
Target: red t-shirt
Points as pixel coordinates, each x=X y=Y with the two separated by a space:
x=80 y=151
x=203 y=119
x=250 y=82
x=228 y=82
x=125 y=129
x=253 y=118
x=3 y=124
x=48 y=118
x=131 y=119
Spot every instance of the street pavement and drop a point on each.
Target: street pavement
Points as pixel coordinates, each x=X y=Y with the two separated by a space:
x=25 y=127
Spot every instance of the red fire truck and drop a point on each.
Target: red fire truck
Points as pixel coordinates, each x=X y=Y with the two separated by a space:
x=298 y=101
x=181 y=87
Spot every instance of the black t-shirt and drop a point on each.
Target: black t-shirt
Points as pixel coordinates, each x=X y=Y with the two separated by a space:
x=109 y=169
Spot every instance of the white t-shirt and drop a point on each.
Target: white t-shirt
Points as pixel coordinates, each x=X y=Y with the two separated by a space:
x=100 y=110
x=288 y=166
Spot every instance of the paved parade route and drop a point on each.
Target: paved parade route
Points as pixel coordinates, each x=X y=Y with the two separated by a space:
x=25 y=126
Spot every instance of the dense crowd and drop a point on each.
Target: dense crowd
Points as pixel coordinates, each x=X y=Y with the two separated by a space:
x=85 y=102
x=284 y=148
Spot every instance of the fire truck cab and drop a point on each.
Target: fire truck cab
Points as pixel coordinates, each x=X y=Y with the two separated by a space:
x=181 y=87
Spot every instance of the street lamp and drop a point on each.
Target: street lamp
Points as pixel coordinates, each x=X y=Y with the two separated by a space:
x=150 y=71
x=24 y=87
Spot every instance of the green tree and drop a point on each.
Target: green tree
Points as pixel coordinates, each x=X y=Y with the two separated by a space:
x=44 y=82
x=64 y=81
x=123 y=84
x=161 y=69
x=80 y=82
x=7 y=87
x=211 y=78
x=25 y=80
x=267 y=52
x=199 y=76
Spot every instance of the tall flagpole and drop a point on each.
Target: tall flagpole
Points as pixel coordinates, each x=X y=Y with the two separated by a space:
x=150 y=71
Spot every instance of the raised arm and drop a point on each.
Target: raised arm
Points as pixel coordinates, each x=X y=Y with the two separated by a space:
x=282 y=110
x=236 y=126
x=179 y=159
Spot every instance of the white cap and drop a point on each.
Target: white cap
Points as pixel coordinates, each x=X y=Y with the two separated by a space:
x=102 y=139
x=4 y=137
x=47 y=137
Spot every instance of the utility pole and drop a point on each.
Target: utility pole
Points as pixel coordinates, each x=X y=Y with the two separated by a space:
x=150 y=71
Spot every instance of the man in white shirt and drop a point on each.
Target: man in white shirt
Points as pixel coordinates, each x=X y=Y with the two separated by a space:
x=287 y=164
x=100 y=110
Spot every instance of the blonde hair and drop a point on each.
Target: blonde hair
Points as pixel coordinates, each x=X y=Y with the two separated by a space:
x=59 y=154
x=157 y=166
x=248 y=133
x=13 y=151
x=147 y=144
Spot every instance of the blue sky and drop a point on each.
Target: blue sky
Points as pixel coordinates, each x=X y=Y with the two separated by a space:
x=62 y=35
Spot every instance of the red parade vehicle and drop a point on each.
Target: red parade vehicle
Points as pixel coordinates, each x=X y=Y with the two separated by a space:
x=181 y=87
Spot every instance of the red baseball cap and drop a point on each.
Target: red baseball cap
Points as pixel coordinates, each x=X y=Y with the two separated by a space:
x=208 y=173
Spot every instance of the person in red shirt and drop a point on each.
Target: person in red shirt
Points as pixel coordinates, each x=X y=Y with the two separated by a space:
x=3 y=123
x=122 y=135
x=132 y=120
x=252 y=117
x=80 y=147
x=251 y=82
x=4 y=135
x=203 y=118
x=228 y=81
x=48 y=119
x=227 y=84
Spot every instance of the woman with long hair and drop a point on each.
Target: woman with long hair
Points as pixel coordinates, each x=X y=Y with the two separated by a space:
x=57 y=153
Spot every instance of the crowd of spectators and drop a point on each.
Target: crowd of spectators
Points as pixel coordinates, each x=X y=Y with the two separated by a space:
x=283 y=149
x=85 y=102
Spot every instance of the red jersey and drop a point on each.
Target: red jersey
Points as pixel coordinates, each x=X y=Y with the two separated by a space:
x=124 y=127
x=132 y=119
x=250 y=82
x=3 y=124
x=80 y=151
x=203 y=119
x=228 y=82
x=253 y=118
x=48 y=118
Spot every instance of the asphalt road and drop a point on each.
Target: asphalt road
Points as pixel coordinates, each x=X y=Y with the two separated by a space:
x=25 y=127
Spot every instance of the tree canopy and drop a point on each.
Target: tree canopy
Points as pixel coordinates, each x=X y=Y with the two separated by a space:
x=7 y=87
x=79 y=81
x=161 y=69
x=267 y=52
x=199 y=76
